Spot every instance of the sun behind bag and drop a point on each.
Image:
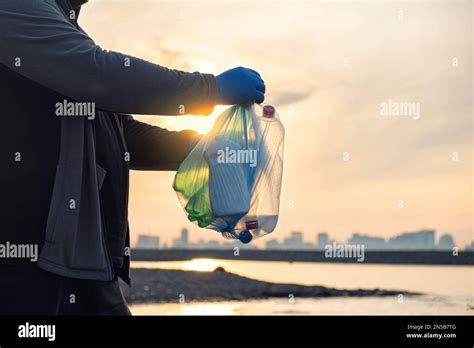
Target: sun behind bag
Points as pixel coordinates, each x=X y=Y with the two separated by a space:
x=231 y=180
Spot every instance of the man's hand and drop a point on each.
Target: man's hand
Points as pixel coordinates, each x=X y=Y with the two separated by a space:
x=240 y=85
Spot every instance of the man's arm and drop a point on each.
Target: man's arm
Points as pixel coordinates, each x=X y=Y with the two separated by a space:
x=38 y=42
x=155 y=148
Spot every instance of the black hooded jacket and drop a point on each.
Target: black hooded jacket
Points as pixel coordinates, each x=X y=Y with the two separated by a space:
x=45 y=59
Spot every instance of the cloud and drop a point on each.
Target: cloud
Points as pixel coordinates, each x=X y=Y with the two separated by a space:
x=283 y=98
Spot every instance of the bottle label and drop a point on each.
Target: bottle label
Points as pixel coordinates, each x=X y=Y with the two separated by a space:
x=251 y=225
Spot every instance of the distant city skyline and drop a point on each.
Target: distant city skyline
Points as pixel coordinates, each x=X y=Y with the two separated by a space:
x=424 y=239
x=182 y=242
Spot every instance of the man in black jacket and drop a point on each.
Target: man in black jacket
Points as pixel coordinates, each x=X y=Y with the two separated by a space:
x=67 y=143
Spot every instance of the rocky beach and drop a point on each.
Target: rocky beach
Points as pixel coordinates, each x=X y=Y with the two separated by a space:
x=159 y=286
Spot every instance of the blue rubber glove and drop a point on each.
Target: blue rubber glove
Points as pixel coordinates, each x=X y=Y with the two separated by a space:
x=240 y=86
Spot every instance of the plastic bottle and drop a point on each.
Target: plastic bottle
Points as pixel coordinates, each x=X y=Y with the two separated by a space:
x=228 y=191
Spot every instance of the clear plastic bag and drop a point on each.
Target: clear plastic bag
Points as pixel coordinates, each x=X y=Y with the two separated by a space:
x=231 y=180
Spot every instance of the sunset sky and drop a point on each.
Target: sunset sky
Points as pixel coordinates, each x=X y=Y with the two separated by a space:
x=327 y=67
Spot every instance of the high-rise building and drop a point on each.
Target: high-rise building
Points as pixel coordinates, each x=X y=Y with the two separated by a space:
x=418 y=240
x=296 y=242
x=148 y=242
x=272 y=244
x=185 y=236
x=446 y=242
x=183 y=241
x=322 y=239
x=369 y=242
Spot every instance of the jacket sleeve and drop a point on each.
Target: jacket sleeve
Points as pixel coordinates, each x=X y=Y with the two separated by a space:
x=39 y=42
x=155 y=148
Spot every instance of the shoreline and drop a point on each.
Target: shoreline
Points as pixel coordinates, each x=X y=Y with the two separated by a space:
x=168 y=286
x=413 y=257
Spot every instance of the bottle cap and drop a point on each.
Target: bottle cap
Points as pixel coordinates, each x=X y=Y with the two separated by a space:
x=245 y=237
x=268 y=111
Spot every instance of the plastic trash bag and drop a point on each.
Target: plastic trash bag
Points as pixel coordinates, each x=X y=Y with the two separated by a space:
x=231 y=180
